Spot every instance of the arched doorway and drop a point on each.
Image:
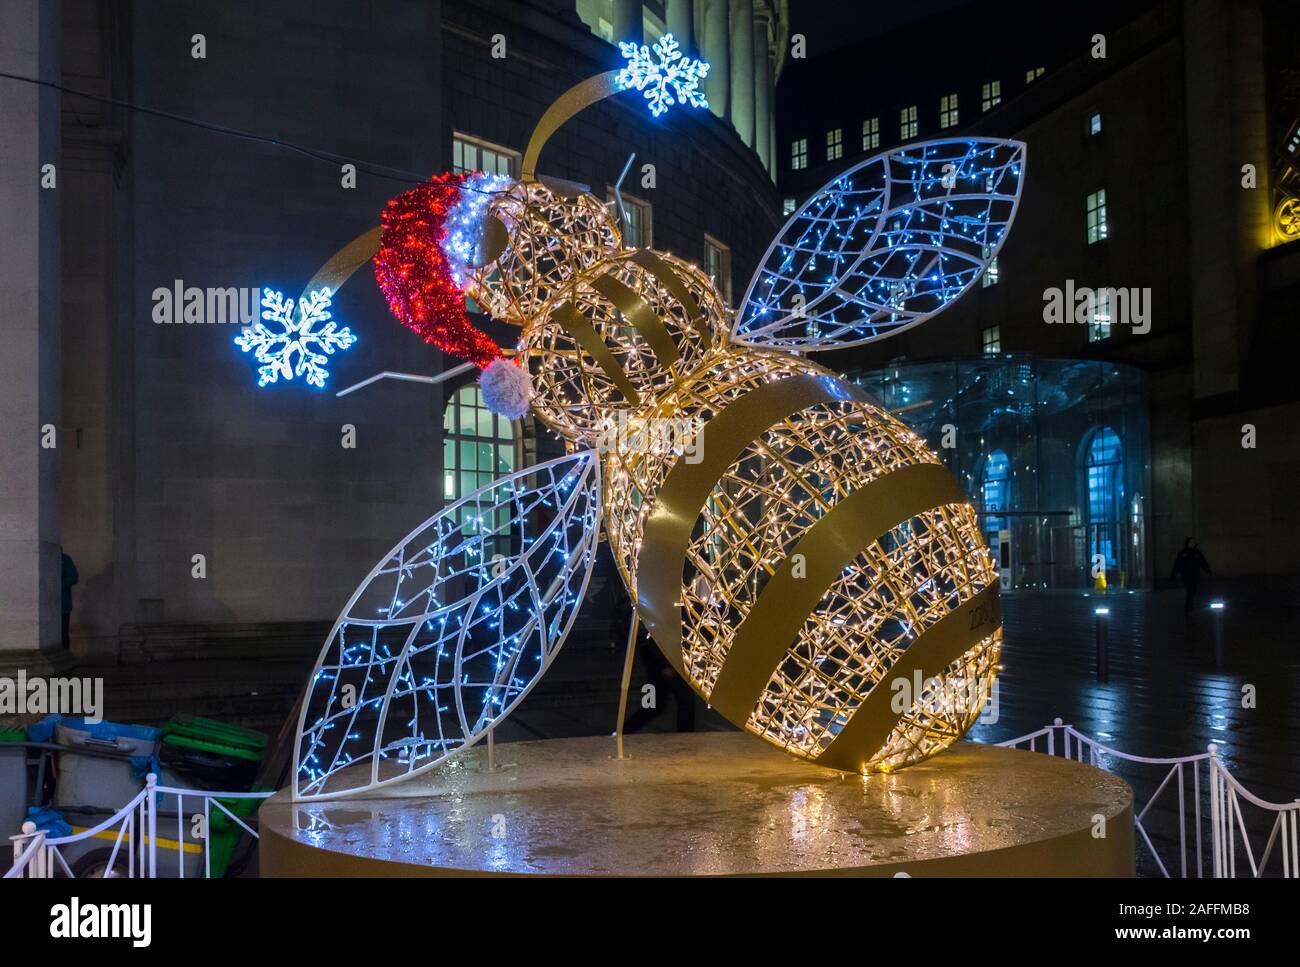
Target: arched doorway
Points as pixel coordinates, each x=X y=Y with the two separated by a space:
x=995 y=496
x=1103 y=482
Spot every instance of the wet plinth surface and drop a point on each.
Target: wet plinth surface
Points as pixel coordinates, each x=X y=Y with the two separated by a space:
x=712 y=803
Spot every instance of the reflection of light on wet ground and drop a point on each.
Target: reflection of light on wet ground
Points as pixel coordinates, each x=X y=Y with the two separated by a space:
x=706 y=803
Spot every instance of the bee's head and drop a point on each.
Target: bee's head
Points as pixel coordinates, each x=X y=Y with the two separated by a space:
x=605 y=329
x=628 y=330
x=532 y=241
x=509 y=246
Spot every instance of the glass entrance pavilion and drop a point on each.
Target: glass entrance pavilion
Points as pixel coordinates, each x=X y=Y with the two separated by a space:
x=1055 y=454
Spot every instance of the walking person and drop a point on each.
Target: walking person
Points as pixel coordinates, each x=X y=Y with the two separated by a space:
x=67 y=580
x=1188 y=566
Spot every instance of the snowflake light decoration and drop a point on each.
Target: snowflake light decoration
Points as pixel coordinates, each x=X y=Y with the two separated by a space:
x=276 y=348
x=671 y=73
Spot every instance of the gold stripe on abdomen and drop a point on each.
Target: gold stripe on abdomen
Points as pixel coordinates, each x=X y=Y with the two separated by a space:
x=687 y=487
x=825 y=550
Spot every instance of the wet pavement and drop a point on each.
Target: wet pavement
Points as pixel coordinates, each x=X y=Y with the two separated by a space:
x=1165 y=696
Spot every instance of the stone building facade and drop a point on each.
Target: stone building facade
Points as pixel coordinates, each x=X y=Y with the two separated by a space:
x=198 y=507
x=1136 y=179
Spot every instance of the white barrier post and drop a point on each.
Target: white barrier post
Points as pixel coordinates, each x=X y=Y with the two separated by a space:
x=151 y=819
x=1216 y=814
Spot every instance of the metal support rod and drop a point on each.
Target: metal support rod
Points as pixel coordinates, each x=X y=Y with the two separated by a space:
x=492 y=750
x=627 y=679
x=618 y=200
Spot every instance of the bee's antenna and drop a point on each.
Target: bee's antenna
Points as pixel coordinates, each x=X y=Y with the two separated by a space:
x=575 y=99
x=415 y=377
x=409 y=377
x=618 y=193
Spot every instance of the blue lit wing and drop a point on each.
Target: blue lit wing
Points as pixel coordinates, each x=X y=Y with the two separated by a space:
x=450 y=630
x=883 y=247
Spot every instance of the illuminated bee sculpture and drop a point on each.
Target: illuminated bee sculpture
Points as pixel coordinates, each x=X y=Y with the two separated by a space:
x=801 y=557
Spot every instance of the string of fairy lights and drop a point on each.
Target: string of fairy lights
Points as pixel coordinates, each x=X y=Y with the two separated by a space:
x=452 y=629
x=385 y=172
x=464 y=615
x=879 y=244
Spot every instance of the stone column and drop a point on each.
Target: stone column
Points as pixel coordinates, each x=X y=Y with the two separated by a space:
x=762 y=88
x=627 y=21
x=1223 y=46
x=1225 y=96
x=30 y=37
x=742 y=69
x=681 y=23
x=716 y=47
x=771 y=128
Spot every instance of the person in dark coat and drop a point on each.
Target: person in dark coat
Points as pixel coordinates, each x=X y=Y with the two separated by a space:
x=67 y=580
x=1188 y=566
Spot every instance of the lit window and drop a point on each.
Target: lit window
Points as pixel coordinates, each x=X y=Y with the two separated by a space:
x=1033 y=75
x=652 y=28
x=598 y=15
x=1094 y=124
x=788 y=206
x=991 y=274
x=799 y=154
x=717 y=263
x=834 y=144
x=871 y=134
x=948 y=111
x=477 y=448
x=907 y=122
x=1099 y=316
x=475 y=154
x=637 y=221
x=1098 y=229
x=990 y=95
x=991 y=340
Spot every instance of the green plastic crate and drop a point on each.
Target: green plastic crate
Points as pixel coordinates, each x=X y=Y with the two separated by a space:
x=232 y=742
x=207 y=735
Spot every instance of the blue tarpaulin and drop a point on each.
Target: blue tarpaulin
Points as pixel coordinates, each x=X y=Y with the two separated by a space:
x=141 y=765
x=50 y=820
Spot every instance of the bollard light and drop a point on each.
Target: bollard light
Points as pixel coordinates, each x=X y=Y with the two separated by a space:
x=1103 y=651
x=1220 y=653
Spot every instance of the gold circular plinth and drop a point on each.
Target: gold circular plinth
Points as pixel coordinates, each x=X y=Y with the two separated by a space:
x=713 y=804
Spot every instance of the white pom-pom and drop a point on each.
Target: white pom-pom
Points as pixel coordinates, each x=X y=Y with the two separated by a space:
x=507 y=388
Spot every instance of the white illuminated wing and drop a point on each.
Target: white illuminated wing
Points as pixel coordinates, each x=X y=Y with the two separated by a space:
x=883 y=247
x=450 y=630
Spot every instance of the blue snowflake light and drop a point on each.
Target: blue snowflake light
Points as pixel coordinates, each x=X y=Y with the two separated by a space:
x=276 y=348
x=666 y=79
